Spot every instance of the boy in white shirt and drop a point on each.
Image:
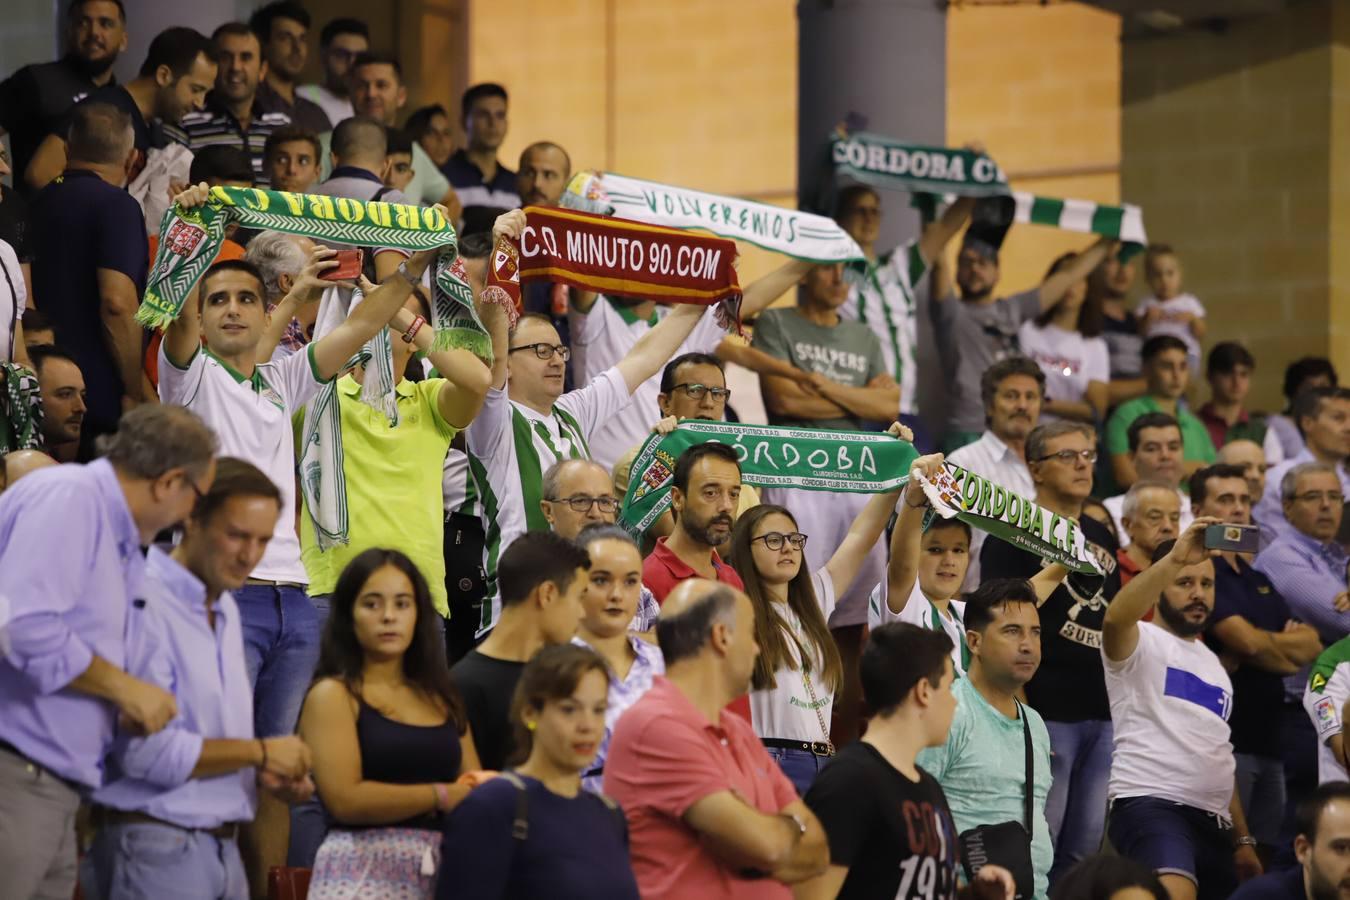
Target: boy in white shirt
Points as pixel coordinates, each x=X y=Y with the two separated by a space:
x=1174 y=804
x=1170 y=310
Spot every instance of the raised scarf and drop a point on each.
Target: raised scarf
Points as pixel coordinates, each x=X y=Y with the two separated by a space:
x=853 y=462
x=984 y=504
x=1125 y=223
x=792 y=232
x=886 y=163
x=189 y=240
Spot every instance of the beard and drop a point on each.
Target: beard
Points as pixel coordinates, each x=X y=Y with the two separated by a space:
x=93 y=68
x=702 y=531
x=1321 y=887
x=1177 y=621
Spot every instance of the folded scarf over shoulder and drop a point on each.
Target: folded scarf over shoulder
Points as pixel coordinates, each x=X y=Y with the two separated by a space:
x=854 y=462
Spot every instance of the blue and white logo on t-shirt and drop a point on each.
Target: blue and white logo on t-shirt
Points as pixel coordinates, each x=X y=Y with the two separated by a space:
x=1192 y=688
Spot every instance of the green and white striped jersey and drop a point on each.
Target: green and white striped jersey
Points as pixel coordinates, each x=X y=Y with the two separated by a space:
x=881 y=296
x=510 y=446
x=1324 y=699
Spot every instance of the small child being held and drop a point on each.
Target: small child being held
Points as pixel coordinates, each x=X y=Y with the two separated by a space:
x=1170 y=310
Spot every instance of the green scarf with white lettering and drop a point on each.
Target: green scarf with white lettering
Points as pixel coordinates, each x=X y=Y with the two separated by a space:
x=852 y=462
x=886 y=163
x=189 y=240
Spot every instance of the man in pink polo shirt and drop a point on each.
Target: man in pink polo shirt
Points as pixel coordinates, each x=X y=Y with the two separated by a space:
x=705 y=497
x=709 y=813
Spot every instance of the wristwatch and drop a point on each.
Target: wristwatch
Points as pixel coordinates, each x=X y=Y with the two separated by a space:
x=1245 y=841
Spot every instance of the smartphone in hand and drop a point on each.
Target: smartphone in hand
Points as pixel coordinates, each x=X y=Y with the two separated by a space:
x=348 y=266
x=1233 y=538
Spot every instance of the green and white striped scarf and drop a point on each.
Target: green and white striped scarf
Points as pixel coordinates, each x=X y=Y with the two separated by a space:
x=1124 y=223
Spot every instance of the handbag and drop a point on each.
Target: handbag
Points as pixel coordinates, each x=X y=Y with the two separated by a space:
x=287 y=883
x=1006 y=844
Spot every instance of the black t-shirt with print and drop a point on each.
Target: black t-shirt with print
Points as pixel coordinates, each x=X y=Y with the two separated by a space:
x=1069 y=686
x=896 y=836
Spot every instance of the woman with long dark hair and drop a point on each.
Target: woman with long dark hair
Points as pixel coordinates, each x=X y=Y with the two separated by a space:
x=389 y=734
x=1066 y=343
x=607 y=612
x=533 y=832
x=798 y=669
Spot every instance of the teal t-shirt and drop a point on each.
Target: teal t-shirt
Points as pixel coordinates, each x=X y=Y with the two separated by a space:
x=982 y=770
x=1195 y=441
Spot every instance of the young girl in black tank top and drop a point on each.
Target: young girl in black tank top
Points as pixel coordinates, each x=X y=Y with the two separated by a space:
x=392 y=743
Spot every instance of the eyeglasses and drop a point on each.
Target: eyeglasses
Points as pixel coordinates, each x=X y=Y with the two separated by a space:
x=545 y=350
x=1068 y=456
x=699 y=391
x=774 y=540
x=197 y=492
x=1320 y=496
x=581 y=503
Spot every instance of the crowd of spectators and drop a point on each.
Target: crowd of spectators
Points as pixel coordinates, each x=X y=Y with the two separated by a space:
x=489 y=688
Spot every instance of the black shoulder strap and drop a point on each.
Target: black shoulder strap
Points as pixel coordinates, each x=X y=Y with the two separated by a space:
x=520 y=824
x=1030 y=768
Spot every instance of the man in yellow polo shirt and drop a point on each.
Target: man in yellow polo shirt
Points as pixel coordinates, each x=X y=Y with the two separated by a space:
x=393 y=474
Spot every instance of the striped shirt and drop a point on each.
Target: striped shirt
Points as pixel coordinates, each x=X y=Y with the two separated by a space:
x=881 y=296
x=510 y=446
x=216 y=126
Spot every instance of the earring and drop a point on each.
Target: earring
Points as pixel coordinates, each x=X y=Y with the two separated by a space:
x=531 y=725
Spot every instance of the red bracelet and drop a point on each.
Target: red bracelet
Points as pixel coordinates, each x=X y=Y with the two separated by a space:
x=411 y=333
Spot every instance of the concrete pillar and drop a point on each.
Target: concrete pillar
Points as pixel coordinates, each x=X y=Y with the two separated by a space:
x=888 y=62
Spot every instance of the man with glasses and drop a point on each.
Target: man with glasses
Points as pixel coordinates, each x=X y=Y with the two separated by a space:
x=63 y=687
x=1069 y=690
x=604 y=329
x=1305 y=563
x=577 y=494
x=528 y=423
x=693 y=386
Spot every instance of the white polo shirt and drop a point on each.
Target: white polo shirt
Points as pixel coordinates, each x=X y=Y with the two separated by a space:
x=601 y=338
x=1324 y=698
x=252 y=419
x=510 y=447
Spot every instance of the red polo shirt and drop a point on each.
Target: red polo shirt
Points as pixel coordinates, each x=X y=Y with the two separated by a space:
x=662 y=570
x=664 y=757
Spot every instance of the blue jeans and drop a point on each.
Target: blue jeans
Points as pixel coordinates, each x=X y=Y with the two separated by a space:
x=800 y=766
x=309 y=820
x=1080 y=764
x=129 y=862
x=282 y=630
x=1260 y=785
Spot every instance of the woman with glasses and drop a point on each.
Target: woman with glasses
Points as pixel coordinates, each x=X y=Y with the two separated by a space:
x=533 y=832
x=1066 y=342
x=389 y=734
x=798 y=669
x=608 y=607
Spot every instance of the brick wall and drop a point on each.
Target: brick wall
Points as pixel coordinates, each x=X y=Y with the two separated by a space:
x=1229 y=141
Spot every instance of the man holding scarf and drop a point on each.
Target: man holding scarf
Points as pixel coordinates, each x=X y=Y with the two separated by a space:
x=250 y=406
x=882 y=287
x=528 y=423
x=979 y=328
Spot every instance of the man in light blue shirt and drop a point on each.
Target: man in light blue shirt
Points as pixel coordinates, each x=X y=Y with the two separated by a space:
x=982 y=764
x=1323 y=419
x=190 y=786
x=1305 y=563
x=70 y=565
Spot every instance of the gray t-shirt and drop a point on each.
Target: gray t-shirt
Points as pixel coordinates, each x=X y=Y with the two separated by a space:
x=972 y=337
x=848 y=353
x=358 y=185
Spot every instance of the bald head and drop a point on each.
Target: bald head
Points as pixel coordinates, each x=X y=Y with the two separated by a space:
x=689 y=614
x=360 y=141
x=22 y=462
x=574 y=483
x=1251 y=458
